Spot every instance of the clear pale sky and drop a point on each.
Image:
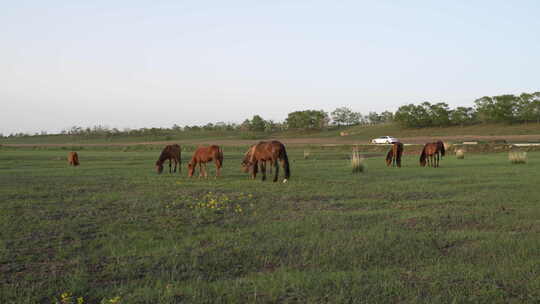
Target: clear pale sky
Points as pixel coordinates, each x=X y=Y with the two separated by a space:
x=155 y=63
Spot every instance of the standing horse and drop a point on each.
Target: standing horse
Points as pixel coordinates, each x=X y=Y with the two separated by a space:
x=73 y=159
x=203 y=155
x=262 y=152
x=172 y=153
x=393 y=158
x=431 y=153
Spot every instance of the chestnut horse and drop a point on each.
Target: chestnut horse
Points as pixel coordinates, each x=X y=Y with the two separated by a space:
x=203 y=155
x=262 y=152
x=172 y=153
x=247 y=155
x=73 y=159
x=393 y=158
x=431 y=153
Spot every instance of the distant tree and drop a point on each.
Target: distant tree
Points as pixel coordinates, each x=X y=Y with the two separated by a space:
x=344 y=116
x=257 y=124
x=463 y=116
x=246 y=125
x=374 y=118
x=439 y=114
x=413 y=116
x=209 y=127
x=387 y=116
x=308 y=119
x=176 y=128
x=270 y=126
x=497 y=108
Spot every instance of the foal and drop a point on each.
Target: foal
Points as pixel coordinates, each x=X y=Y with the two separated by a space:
x=172 y=153
x=203 y=155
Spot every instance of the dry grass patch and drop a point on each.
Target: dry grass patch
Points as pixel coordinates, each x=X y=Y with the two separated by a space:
x=460 y=154
x=517 y=157
x=358 y=163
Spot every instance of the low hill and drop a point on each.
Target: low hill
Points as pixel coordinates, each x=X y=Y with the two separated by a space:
x=345 y=135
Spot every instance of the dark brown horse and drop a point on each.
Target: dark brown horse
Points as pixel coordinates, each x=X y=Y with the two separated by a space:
x=173 y=153
x=203 y=155
x=430 y=154
x=266 y=151
x=393 y=158
x=73 y=159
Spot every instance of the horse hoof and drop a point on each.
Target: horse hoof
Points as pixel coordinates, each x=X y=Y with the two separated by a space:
x=285 y=181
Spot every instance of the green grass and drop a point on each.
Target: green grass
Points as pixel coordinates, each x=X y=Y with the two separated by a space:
x=466 y=232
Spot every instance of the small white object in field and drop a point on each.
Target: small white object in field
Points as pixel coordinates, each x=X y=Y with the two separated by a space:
x=285 y=181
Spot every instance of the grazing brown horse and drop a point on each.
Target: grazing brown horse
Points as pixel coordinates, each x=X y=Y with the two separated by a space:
x=247 y=155
x=73 y=159
x=431 y=153
x=262 y=152
x=173 y=153
x=393 y=158
x=203 y=155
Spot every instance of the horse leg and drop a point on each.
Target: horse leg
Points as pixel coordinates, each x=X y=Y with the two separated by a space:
x=276 y=165
x=218 y=168
x=205 y=172
x=175 y=164
x=170 y=170
x=254 y=168
x=263 y=169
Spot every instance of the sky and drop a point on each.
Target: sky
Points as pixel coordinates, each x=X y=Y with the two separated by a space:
x=133 y=64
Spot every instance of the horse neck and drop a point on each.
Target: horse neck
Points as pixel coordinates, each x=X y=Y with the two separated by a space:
x=163 y=157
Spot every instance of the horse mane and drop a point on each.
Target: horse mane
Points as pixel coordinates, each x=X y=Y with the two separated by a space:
x=163 y=156
x=169 y=152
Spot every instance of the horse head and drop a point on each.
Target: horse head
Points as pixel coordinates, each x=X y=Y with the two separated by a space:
x=159 y=167
x=246 y=165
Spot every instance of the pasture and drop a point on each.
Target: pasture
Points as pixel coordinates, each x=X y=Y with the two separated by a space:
x=112 y=229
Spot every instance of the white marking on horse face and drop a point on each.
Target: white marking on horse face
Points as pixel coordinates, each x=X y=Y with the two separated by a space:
x=285 y=181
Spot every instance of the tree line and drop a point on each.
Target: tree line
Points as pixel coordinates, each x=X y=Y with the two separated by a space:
x=507 y=108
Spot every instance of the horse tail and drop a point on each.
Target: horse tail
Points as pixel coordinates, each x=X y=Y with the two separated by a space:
x=285 y=158
x=399 y=153
x=389 y=157
x=423 y=157
x=442 y=148
x=220 y=156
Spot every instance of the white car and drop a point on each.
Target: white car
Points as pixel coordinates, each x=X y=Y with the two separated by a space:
x=384 y=140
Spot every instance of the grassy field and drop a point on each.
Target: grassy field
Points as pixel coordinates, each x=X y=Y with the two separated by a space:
x=112 y=230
